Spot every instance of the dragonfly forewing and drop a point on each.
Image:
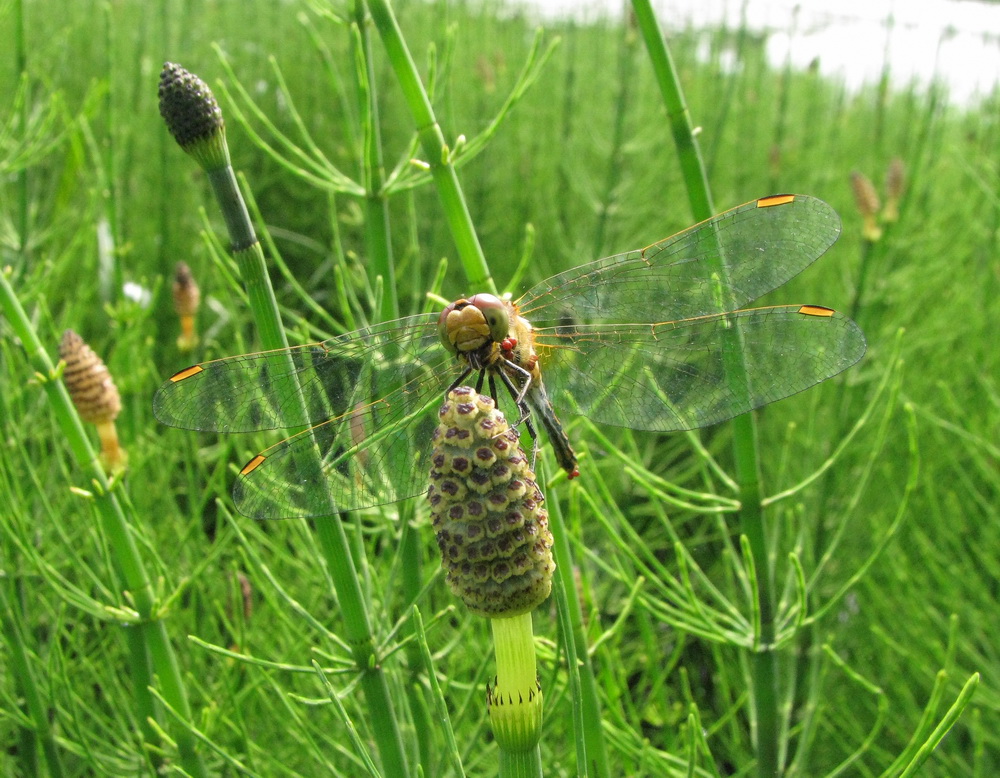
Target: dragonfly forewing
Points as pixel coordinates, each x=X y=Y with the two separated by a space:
x=719 y=265
x=370 y=388
x=299 y=386
x=676 y=376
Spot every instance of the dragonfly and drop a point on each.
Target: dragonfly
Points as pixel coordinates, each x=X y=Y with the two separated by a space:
x=654 y=339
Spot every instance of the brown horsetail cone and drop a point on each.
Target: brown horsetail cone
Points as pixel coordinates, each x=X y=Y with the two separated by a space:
x=187 y=298
x=487 y=511
x=90 y=385
x=193 y=116
x=866 y=199
x=895 y=182
x=94 y=395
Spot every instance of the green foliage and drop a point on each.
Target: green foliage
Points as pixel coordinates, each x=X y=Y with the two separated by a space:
x=881 y=488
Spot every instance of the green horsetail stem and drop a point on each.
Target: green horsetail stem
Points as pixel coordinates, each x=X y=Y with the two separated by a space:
x=515 y=698
x=194 y=119
x=746 y=455
x=151 y=652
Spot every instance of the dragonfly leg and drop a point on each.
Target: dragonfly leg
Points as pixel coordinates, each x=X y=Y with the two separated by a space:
x=518 y=394
x=534 y=440
x=522 y=408
x=493 y=390
x=519 y=397
x=458 y=381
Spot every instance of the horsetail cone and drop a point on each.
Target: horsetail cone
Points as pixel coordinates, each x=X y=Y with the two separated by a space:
x=193 y=116
x=487 y=511
x=866 y=198
x=90 y=385
x=187 y=298
x=94 y=394
x=895 y=182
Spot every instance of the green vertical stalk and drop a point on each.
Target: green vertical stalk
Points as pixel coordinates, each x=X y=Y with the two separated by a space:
x=379 y=253
x=141 y=670
x=411 y=575
x=376 y=203
x=21 y=68
x=119 y=534
x=591 y=750
x=567 y=112
x=516 y=700
x=330 y=531
x=432 y=141
x=763 y=661
x=195 y=121
x=24 y=680
x=626 y=66
x=861 y=283
x=688 y=151
x=333 y=542
x=21 y=670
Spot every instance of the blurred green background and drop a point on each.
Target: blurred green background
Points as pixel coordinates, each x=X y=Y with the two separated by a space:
x=95 y=199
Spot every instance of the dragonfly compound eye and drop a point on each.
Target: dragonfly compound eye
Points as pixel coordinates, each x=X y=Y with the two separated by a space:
x=443 y=329
x=494 y=310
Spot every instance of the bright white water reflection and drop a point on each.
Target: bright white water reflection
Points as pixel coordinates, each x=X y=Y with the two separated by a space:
x=956 y=42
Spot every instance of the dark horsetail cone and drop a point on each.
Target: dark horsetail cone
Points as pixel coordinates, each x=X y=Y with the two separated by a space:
x=488 y=513
x=192 y=115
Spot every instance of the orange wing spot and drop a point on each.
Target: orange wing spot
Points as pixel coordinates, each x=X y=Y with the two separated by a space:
x=767 y=202
x=816 y=310
x=186 y=373
x=253 y=464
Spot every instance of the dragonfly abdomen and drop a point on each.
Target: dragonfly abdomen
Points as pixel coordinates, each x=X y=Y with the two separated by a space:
x=541 y=411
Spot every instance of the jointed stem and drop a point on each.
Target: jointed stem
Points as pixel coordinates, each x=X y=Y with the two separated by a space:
x=764 y=661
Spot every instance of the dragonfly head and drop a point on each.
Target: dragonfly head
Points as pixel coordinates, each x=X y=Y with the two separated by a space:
x=468 y=325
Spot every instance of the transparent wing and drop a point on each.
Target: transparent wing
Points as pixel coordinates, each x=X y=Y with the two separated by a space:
x=302 y=385
x=373 y=390
x=761 y=245
x=374 y=455
x=678 y=375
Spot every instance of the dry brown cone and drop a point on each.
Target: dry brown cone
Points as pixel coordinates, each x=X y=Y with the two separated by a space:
x=866 y=198
x=95 y=396
x=187 y=298
x=895 y=183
